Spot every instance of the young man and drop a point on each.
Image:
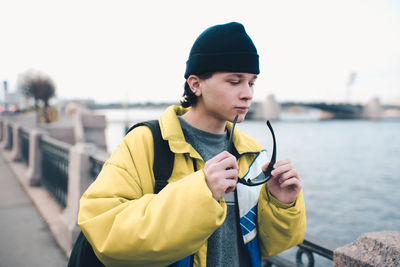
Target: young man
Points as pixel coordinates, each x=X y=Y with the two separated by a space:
x=203 y=217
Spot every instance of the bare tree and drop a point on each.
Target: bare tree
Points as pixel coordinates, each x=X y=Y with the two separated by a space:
x=39 y=87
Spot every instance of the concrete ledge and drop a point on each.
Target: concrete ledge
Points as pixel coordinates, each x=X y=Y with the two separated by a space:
x=370 y=249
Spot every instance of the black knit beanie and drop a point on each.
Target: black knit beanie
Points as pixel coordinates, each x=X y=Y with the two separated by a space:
x=225 y=47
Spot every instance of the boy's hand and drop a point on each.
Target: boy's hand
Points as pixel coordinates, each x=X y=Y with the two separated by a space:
x=285 y=183
x=221 y=174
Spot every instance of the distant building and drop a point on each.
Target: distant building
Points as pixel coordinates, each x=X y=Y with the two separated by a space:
x=12 y=101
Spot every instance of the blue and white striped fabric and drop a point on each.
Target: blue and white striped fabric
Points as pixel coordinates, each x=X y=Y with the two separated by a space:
x=247 y=200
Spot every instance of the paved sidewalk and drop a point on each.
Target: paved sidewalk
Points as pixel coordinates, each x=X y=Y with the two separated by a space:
x=25 y=239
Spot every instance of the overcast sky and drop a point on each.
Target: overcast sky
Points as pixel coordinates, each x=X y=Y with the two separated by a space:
x=137 y=50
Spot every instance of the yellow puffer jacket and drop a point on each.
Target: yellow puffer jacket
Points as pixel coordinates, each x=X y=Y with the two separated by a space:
x=128 y=225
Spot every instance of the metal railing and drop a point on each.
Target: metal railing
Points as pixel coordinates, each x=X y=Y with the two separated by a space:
x=307 y=248
x=24 y=141
x=9 y=137
x=96 y=165
x=55 y=157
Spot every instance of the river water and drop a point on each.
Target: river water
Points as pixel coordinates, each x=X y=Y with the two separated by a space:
x=350 y=169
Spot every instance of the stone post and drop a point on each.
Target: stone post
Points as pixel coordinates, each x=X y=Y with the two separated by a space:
x=4 y=142
x=78 y=181
x=79 y=131
x=34 y=172
x=373 y=110
x=90 y=128
x=271 y=108
x=16 y=149
x=1 y=131
x=370 y=249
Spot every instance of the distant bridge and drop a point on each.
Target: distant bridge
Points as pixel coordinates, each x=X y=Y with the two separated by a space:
x=271 y=109
x=339 y=110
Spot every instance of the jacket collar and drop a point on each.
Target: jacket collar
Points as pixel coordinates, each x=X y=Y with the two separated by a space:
x=171 y=130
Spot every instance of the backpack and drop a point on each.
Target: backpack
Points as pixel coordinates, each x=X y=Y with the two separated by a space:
x=82 y=254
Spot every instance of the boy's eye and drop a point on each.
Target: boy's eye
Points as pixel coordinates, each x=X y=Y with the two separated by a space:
x=234 y=82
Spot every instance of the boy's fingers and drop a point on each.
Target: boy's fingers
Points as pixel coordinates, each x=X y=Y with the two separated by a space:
x=231 y=174
x=231 y=185
x=228 y=163
x=291 y=182
x=265 y=166
x=288 y=175
x=281 y=162
x=220 y=157
x=282 y=169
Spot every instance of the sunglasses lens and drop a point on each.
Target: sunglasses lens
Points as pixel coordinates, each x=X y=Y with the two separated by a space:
x=265 y=175
x=261 y=178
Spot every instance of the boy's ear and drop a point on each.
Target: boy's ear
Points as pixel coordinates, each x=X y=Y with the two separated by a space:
x=194 y=84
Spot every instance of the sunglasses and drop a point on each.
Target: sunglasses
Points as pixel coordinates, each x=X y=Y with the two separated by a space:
x=264 y=176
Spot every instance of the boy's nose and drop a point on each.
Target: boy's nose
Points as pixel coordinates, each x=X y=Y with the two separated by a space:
x=247 y=92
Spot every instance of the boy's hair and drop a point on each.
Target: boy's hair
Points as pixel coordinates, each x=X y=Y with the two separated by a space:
x=188 y=97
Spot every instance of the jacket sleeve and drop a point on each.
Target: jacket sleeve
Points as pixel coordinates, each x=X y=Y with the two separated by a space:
x=280 y=226
x=128 y=225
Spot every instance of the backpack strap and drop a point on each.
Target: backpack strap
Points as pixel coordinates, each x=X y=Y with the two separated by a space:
x=163 y=156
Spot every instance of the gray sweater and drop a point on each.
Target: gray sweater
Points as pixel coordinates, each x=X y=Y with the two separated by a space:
x=225 y=246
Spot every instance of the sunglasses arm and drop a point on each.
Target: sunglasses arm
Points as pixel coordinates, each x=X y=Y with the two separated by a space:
x=268 y=171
